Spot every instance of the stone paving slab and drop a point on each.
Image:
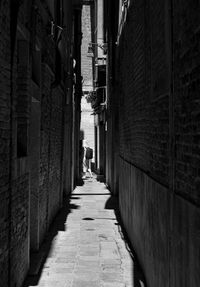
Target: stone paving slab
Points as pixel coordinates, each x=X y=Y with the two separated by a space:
x=90 y=251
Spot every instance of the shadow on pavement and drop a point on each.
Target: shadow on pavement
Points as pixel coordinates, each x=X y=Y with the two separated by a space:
x=139 y=278
x=38 y=259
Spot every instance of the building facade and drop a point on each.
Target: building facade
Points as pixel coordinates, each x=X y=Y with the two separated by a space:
x=87 y=70
x=94 y=82
x=97 y=50
x=153 y=133
x=40 y=100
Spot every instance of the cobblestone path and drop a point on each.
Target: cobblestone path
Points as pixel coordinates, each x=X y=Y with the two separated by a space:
x=88 y=249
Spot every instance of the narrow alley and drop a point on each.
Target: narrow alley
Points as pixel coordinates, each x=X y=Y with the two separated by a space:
x=109 y=87
x=86 y=247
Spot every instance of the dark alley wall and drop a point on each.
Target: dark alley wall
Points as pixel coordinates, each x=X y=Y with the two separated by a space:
x=144 y=136
x=144 y=92
x=50 y=177
x=186 y=77
x=14 y=191
x=157 y=83
x=186 y=100
x=5 y=141
x=36 y=85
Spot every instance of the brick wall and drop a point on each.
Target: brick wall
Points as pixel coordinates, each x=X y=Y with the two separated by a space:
x=20 y=228
x=4 y=140
x=143 y=94
x=45 y=151
x=19 y=172
x=145 y=87
x=50 y=151
x=186 y=99
x=86 y=62
x=157 y=85
x=33 y=48
x=14 y=231
x=143 y=90
x=34 y=167
x=56 y=145
x=186 y=36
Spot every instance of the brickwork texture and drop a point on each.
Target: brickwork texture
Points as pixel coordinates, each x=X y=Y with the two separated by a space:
x=157 y=87
x=5 y=140
x=86 y=62
x=27 y=75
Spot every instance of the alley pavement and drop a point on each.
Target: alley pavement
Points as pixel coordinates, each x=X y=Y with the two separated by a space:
x=86 y=247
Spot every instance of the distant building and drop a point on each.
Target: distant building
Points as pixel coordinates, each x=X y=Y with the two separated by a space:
x=96 y=52
x=87 y=117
